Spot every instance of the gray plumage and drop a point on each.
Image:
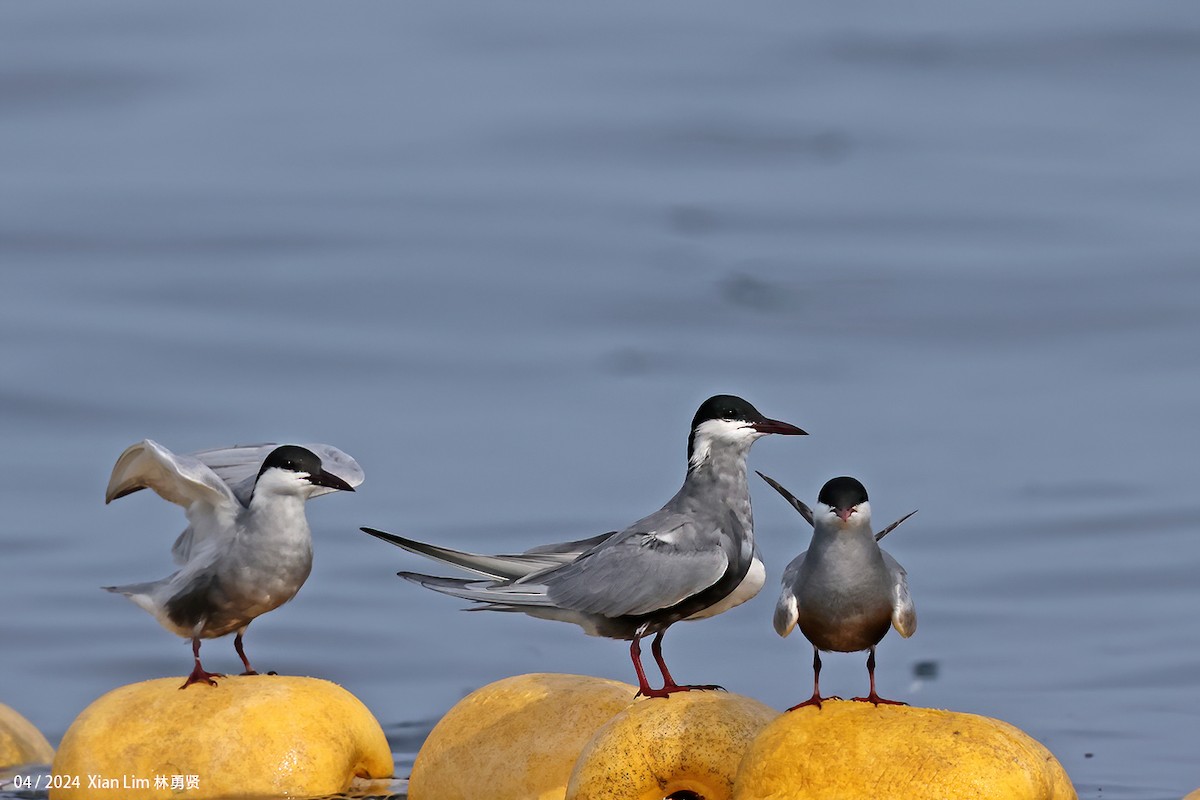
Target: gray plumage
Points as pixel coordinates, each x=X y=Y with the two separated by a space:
x=845 y=591
x=247 y=548
x=693 y=558
x=644 y=578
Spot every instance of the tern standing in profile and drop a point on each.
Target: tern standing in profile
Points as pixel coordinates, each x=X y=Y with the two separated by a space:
x=247 y=548
x=845 y=591
x=693 y=558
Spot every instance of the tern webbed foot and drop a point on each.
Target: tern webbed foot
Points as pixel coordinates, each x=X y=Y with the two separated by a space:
x=200 y=675
x=671 y=688
x=876 y=700
x=696 y=687
x=815 y=700
x=669 y=684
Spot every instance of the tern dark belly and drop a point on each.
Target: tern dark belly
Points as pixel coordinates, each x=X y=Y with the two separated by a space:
x=194 y=605
x=846 y=627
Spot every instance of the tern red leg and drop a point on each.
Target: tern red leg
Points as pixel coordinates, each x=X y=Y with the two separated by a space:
x=670 y=687
x=816 y=698
x=635 y=652
x=873 y=697
x=199 y=674
x=237 y=645
x=669 y=684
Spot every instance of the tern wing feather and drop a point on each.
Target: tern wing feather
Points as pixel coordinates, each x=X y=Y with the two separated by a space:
x=183 y=480
x=336 y=462
x=787 y=609
x=573 y=549
x=484 y=591
x=181 y=551
x=904 y=613
x=893 y=526
x=641 y=570
x=238 y=466
x=796 y=502
x=499 y=567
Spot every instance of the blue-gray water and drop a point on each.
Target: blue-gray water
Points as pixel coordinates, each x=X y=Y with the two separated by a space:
x=500 y=252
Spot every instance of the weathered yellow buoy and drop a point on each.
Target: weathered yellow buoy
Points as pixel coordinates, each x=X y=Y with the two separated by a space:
x=249 y=736
x=687 y=745
x=20 y=741
x=848 y=749
x=518 y=737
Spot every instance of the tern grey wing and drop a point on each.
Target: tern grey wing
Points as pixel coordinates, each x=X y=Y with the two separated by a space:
x=796 y=502
x=483 y=591
x=238 y=466
x=893 y=526
x=572 y=549
x=182 y=480
x=181 y=551
x=904 y=613
x=787 y=609
x=639 y=572
x=500 y=567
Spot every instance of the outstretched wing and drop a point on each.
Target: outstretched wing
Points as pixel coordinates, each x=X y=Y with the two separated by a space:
x=238 y=466
x=787 y=609
x=904 y=613
x=183 y=480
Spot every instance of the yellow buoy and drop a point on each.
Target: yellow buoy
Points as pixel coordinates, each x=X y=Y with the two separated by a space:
x=686 y=745
x=515 y=738
x=20 y=742
x=848 y=749
x=249 y=736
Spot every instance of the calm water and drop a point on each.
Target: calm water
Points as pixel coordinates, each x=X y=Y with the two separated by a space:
x=500 y=253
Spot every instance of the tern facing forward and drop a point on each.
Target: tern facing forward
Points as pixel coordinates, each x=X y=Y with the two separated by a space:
x=693 y=558
x=247 y=548
x=845 y=590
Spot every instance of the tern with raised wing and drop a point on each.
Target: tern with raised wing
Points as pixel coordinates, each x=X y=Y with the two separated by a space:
x=247 y=548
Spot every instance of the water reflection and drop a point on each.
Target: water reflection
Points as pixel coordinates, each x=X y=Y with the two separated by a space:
x=500 y=256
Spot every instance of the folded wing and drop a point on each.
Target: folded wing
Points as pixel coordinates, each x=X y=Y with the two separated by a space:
x=639 y=572
x=612 y=575
x=904 y=613
x=787 y=609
